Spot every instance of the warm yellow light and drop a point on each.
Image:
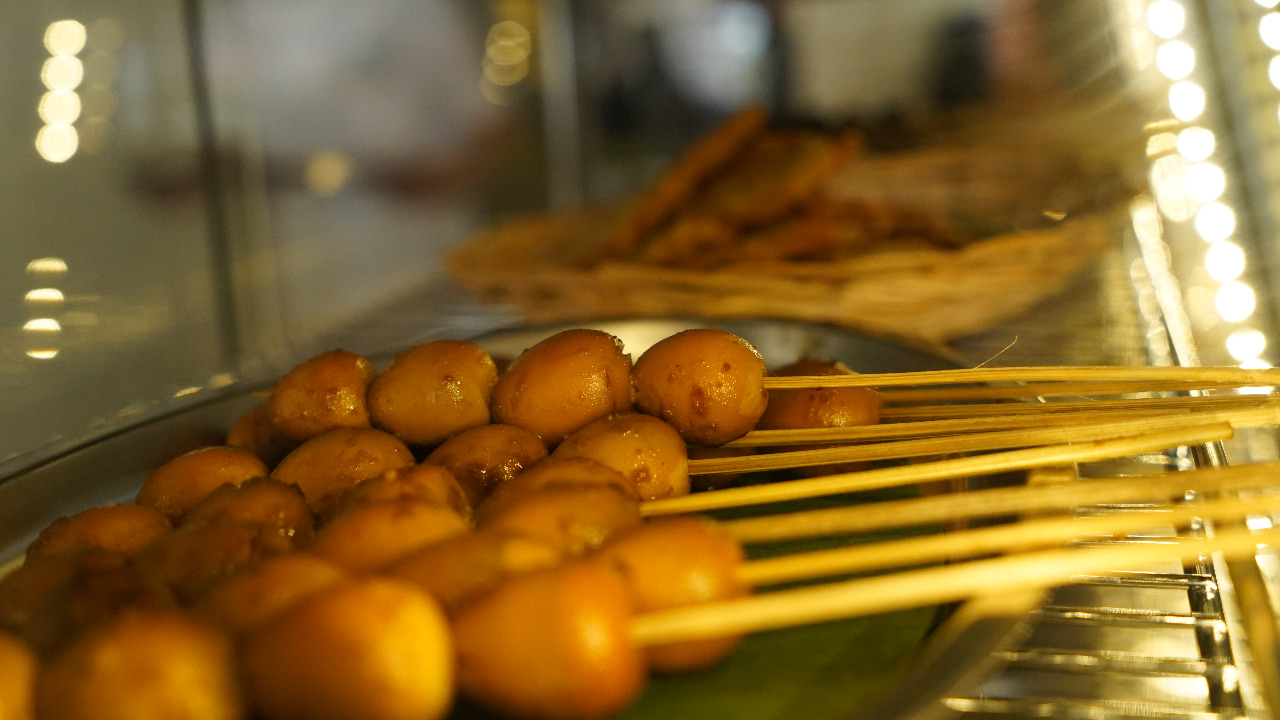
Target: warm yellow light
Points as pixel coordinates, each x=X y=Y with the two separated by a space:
x=508 y=43
x=62 y=72
x=1235 y=301
x=505 y=75
x=1169 y=183
x=64 y=37
x=59 y=107
x=1246 y=344
x=57 y=143
x=1186 y=100
x=1196 y=143
x=1175 y=60
x=42 y=354
x=1161 y=143
x=1166 y=18
x=1206 y=182
x=1267 y=3
x=47 y=266
x=42 y=325
x=1215 y=222
x=1224 y=261
x=43 y=295
x=1269 y=29
x=1273 y=71
x=327 y=172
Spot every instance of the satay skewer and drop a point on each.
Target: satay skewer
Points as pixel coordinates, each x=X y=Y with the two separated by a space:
x=929 y=586
x=974 y=410
x=1193 y=433
x=1203 y=376
x=975 y=442
x=933 y=394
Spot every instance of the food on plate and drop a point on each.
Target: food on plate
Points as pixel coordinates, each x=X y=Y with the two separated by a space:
x=335 y=461
x=325 y=392
x=255 y=432
x=484 y=458
x=556 y=471
x=176 y=486
x=573 y=518
x=194 y=556
x=564 y=382
x=673 y=562
x=257 y=593
x=17 y=679
x=552 y=644
x=142 y=666
x=708 y=383
x=456 y=569
x=820 y=407
x=266 y=501
x=375 y=648
x=368 y=537
x=120 y=527
x=645 y=449
x=424 y=481
x=432 y=391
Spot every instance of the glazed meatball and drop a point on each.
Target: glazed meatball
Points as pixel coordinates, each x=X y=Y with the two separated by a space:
x=255 y=432
x=820 y=408
x=564 y=382
x=434 y=390
x=142 y=666
x=369 y=537
x=572 y=518
x=325 y=392
x=330 y=464
x=175 y=487
x=646 y=450
x=260 y=592
x=483 y=458
x=376 y=649
x=194 y=556
x=17 y=679
x=123 y=527
x=556 y=471
x=457 y=569
x=424 y=482
x=275 y=505
x=709 y=384
x=552 y=644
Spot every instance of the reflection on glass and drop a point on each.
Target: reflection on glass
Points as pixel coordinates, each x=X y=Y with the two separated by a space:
x=327 y=172
x=43 y=295
x=1169 y=183
x=1269 y=29
x=41 y=325
x=64 y=37
x=1246 y=344
x=1206 y=182
x=1161 y=143
x=59 y=107
x=57 y=143
x=1215 y=222
x=1175 y=60
x=1224 y=261
x=1166 y=18
x=47 y=266
x=1186 y=100
x=1196 y=143
x=1273 y=71
x=1235 y=301
x=62 y=72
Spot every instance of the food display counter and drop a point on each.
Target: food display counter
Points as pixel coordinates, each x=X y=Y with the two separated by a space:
x=200 y=195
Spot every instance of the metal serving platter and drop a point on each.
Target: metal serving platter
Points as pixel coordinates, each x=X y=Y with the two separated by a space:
x=948 y=648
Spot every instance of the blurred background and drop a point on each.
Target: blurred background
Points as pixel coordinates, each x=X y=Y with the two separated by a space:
x=198 y=193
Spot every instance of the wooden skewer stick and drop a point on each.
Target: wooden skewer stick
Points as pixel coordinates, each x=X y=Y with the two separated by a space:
x=929 y=586
x=1031 y=390
x=975 y=442
x=1192 y=434
x=942 y=412
x=1012 y=537
x=1234 y=376
x=995 y=502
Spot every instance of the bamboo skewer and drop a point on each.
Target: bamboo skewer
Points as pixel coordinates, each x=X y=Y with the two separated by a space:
x=1033 y=390
x=975 y=442
x=1017 y=536
x=929 y=586
x=995 y=502
x=1204 y=376
x=943 y=412
x=1191 y=434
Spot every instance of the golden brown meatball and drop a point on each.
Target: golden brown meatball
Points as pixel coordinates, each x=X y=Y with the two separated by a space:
x=563 y=383
x=456 y=569
x=17 y=679
x=553 y=644
x=266 y=501
x=572 y=518
x=325 y=392
x=260 y=592
x=424 y=482
x=176 y=486
x=646 y=450
x=124 y=528
x=142 y=666
x=255 y=432
x=375 y=649
x=674 y=562
x=193 y=557
x=369 y=537
x=709 y=384
x=485 y=457
x=554 y=471
x=330 y=464
x=434 y=390
x=820 y=408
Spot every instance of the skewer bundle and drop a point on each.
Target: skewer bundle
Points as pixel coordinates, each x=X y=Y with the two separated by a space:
x=368 y=541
